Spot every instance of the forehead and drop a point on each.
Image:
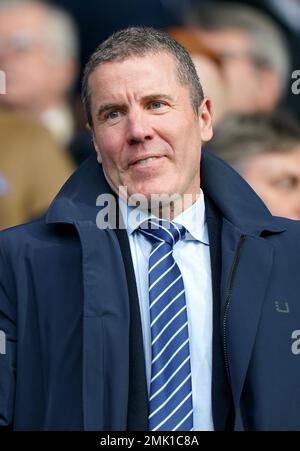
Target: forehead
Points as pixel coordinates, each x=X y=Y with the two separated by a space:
x=139 y=75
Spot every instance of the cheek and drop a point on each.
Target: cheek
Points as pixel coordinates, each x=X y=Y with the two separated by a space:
x=109 y=155
x=105 y=146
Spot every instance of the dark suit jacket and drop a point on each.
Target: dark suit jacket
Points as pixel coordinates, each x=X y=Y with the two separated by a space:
x=74 y=357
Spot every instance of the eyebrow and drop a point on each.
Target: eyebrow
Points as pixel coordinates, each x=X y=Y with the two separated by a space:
x=115 y=106
x=158 y=96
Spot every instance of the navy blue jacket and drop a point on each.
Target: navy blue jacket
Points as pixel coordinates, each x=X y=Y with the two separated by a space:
x=64 y=310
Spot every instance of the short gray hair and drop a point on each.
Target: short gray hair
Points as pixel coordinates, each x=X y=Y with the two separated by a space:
x=268 y=45
x=140 y=41
x=240 y=137
x=61 y=32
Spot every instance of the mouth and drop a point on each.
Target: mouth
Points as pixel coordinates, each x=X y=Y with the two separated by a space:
x=145 y=161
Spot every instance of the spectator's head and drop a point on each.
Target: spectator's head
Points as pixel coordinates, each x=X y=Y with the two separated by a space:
x=265 y=149
x=209 y=68
x=38 y=53
x=253 y=49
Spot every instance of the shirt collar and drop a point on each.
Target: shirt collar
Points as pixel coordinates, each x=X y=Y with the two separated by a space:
x=193 y=219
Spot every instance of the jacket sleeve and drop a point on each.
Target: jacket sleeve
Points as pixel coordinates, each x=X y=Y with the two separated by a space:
x=7 y=345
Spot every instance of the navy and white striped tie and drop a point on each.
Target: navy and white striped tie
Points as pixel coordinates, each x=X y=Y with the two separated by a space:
x=170 y=402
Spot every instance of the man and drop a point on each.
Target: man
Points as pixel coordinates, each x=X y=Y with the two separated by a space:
x=265 y=149
x=253 y=49
x=82 y=341
x=38 y=53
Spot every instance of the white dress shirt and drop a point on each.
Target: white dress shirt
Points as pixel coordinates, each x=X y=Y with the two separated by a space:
x=193 y=258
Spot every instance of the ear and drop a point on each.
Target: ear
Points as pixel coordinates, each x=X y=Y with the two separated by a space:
x=205 y=119
x=91 y=132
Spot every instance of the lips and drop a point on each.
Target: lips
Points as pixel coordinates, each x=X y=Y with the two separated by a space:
x=144 y=160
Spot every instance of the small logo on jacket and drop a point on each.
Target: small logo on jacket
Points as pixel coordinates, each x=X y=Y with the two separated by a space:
x=296 y=344
x=282 y=307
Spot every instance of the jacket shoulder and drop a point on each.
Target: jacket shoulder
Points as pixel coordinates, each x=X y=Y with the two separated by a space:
x=292 y=226
x=289 y=238
x=36 y=234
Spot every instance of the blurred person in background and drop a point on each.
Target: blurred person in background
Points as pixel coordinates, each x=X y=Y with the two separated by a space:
x=286 y=14
x=38 y=53
x=253 y=49
x=209 y=68
x=265 y=149
x=32 y=169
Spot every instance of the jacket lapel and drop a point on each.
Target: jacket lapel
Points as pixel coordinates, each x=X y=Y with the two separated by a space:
x=105 y=340
x=247 y=264
x=105 y=330
x=221 y=393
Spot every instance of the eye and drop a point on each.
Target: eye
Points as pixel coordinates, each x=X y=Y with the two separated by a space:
x=156 y=105
x=113 y=115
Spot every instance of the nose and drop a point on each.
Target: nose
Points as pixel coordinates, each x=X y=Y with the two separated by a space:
x=139 y=128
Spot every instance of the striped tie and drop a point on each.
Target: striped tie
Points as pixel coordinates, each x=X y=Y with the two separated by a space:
x=170 y=402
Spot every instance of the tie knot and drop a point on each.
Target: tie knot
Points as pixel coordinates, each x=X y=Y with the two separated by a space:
x=161 y=230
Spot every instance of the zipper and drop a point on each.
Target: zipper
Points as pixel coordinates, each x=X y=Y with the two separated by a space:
x=228 y=296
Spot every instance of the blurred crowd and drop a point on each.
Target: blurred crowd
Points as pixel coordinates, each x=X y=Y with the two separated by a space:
x=245 y=52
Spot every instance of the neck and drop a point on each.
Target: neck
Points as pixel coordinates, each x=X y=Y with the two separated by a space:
x=172 y=208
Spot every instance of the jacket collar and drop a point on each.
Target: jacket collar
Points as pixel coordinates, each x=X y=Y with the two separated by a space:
x=238 y=203
x=76 y=201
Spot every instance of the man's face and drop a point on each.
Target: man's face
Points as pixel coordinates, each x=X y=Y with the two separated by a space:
x=145 y=130
x=276 y=179
x=30 y=67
